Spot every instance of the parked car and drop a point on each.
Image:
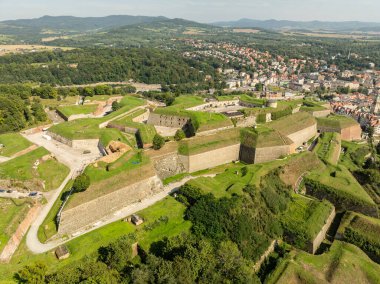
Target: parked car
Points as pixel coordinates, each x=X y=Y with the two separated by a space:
x=2 y=190
x=32 y=194
x=9 y=191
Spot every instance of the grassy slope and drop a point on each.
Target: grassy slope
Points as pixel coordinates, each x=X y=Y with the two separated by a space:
x=12 y=213
x=328 y=147
x=262 y=137
x=87 y=245
x=13 y=143
x=53 y=173
x=293 y=123
x=344 y=263
x=343 y=181
x=73 y=110
x=336 y=121
x=203 y=144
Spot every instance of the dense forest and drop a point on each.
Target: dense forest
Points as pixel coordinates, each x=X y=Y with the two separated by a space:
x=82 y=66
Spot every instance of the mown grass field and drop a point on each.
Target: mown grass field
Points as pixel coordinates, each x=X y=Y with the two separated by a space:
x=87 y=245
x=68 y=111
x=343 y=263
x=53 y=173
x=13 y=212
x=13 y=143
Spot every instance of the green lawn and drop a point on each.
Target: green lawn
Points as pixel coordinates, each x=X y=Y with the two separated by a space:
x=21 y=168
x=293 y=123
x=87 y=245
x=13 y=212
x=68 y=111
x=13 y=143
x=53 y=173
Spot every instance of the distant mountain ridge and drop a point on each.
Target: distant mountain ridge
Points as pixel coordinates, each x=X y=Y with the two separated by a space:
x=67 y=23
x=299 y=25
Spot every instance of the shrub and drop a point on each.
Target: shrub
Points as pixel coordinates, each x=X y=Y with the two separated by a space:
x=81 y=183
x=179 y=135
x=158 y=142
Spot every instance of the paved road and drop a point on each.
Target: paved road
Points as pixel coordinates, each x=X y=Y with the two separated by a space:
x=37 y=247
x=75 y=160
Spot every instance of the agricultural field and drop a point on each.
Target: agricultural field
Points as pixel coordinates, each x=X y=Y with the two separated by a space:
x=343 y=263
x=50 y=172
x=13 y=212
x=68 y=111
x=14 y=49
x=13 y=144
x=164 y=218
x=203 y=144
x=329 y=147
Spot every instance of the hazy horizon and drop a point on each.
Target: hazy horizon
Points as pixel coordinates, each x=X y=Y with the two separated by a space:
x=198 y=10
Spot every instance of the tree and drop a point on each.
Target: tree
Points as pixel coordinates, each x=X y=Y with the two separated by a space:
x=158 y=142
x=116 y=106
x=33 y=274
x=81 y=183
x=38 y=112
x=179 y=135
x=117 y=254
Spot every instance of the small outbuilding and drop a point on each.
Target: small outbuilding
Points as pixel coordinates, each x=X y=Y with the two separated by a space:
x=136 y=220
x=62 y=252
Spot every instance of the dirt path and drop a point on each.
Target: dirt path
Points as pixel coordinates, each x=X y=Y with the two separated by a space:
x=17 y=237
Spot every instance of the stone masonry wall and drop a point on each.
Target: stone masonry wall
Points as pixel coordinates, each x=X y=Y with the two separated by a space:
x=84 y=215
x=168 y=165
x=210 y=159
x=304 y=135
x=351 y=133
x=322 y=234
x=267 y=154
x=167 y=120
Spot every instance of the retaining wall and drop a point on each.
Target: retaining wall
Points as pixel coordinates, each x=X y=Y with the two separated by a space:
x=314 y=245
x=303 y=135
x=262 y=155
x=348 y=134
x=210 y=159
x=167 y=120
x=87 y=214
x=169 y=165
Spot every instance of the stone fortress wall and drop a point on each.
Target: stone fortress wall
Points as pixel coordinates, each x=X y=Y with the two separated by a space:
x=315 y=244
x=303 y=135
x=167 y=120
x=262 y=155
x=210 y=159
x=348 y=134
x=84 y=144
x=87 y=214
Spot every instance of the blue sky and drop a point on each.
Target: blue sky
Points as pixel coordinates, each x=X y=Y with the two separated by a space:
x=199 y=10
